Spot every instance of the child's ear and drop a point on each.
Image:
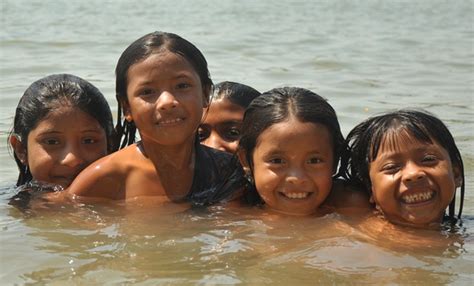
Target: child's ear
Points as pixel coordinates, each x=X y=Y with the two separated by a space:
x=19 y=148
x=457 y=176
x=242 y=154
x=371 y=198
x=127 y=113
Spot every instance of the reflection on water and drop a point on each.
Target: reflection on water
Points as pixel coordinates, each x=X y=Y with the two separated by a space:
x=117 y=243
x=365 y=57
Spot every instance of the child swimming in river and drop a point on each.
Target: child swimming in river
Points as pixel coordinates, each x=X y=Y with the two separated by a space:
x=290 y=146
x=222 y=123
x=162 y=86
x=410 y=164
x=62 y=124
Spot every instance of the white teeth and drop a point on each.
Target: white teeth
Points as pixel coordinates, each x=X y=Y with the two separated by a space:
x=296 y=195
x=171 y=121
x=418 y=198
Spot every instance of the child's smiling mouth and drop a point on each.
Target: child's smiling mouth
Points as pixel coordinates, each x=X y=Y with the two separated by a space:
x=417 y=198
x=296 y=195
x=170 y=121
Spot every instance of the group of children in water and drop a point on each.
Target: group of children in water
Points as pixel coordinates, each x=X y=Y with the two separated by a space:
x=201 y=145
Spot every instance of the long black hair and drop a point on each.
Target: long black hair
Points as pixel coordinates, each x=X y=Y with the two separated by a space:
x=365 y=139
x=277 y=105
x=50 y=92
x=138 y=51
x=235 y=92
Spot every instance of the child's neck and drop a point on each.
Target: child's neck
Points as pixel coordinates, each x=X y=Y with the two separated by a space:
x=174 y=166
x=177 y=157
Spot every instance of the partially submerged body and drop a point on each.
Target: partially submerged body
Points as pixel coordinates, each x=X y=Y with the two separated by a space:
x=211 y=177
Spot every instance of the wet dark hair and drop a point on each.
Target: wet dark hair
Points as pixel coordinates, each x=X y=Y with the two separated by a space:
x=138 y=51
x=278 y=105
x=49 y=93
x=364 y=143
x=235 y=92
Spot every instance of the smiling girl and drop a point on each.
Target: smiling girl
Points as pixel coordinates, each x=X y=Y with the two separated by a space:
x=62 y=124
x=409 y=162
x=162 y=86
x=290 y=146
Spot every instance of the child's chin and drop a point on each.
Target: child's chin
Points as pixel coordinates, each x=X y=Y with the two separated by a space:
x=300 y=212
x=417 y=220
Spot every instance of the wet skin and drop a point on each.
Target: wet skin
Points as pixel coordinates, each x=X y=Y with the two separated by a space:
x=413 y=182
x=293 y=166
x=222 y=125
x=165 y=100
x=62 y=145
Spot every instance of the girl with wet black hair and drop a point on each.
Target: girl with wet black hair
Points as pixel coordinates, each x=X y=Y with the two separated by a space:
x=162 y=87
x=409 y=163
x=62 y=124
x=290 y=147
x=222 y=122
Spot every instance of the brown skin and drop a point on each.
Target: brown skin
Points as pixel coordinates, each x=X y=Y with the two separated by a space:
x=413 y=182
x=61 y=145
x=294 y=177
x=222 y=125
x=165 y=100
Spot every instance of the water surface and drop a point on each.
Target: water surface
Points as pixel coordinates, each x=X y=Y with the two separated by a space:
x=365 y=57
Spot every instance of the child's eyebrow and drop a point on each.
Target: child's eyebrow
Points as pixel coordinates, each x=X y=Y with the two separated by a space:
x=95 y=130
x=49 y=131
x=394 y=153
x=183 y=74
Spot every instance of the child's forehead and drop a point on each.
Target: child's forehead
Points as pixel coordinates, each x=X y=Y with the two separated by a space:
x=400 y=138
x=162 y=63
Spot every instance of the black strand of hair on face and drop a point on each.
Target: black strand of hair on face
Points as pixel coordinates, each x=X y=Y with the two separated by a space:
x=452 y=205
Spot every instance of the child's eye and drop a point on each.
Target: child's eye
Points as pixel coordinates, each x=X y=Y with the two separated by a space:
x=390 y=168
x=51 y=141
x=183 y=85
x=89 y=141
x=203 y=134
x=276 y=161
x=314 y=160
x=429 y=159
x=232 y=134
x=146 y=91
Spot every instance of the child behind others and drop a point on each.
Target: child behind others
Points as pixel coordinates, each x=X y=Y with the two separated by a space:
x=222 y=123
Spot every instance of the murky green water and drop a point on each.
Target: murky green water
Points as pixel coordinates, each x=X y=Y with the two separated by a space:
x=366 y=57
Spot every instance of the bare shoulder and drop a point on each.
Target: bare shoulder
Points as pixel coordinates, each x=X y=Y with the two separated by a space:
x=347 y=197
x=106 y=177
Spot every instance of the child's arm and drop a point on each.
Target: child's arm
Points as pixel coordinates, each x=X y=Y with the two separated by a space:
x=345 y=197
x=102 y=179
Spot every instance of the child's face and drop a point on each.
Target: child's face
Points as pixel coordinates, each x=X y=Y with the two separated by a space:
x=222 y=125
x=412 y=182
x=63 y=144
x=165 y=98
x=293 y=166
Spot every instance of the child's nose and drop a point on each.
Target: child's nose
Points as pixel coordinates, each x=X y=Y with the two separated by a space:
x=72 y=158
x=215 y=141
x=166 y=100
x=413 y=173
x=296 y=175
